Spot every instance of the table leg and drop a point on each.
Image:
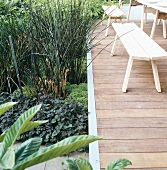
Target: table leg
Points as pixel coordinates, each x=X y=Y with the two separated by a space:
x=154 y=24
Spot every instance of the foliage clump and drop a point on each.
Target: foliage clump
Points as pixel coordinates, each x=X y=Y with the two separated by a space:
x=78 y=93
x=65 y=118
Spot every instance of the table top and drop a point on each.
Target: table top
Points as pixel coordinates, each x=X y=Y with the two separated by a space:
x=154 y=5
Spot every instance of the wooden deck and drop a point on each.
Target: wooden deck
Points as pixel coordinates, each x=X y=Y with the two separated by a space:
x=133 y=124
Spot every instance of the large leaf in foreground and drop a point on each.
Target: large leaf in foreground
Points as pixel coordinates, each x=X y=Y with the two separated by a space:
x=27 y=148
x=8 y=160
x=71 y=164
x=118 y=164
x=83 y=164
x=2 y=136
x=31 y=125
x=17 y=128
x=63 y=147
x=78 y=164
x=6 y=106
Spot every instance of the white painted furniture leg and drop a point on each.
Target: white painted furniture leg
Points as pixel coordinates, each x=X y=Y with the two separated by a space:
x=154 y=24
x=103 y=18
x=159 y=21
x=130 y=5
x=127 y=75
x=142 y=17
x=114 y=44
x=156 y=76
x=120 y=3
x=164 y=28
x=108 y=24
x=145 y=18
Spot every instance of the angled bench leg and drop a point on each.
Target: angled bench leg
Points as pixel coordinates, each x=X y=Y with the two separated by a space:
x=127 y=74
x=154 y=24
x=114 y=44
x=156 y=76
x=108 y=24
x=143 y=17
x=103 y=17
x=164 y=28
x=130 y=5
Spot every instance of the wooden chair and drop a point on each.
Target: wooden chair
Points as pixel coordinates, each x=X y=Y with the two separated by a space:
x=114 y=13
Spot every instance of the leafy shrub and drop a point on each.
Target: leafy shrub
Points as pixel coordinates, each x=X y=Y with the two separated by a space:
x=78 y=93
x=28 y=153
x=65 y=118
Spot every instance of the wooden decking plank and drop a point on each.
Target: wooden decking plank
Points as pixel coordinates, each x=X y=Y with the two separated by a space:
x=133 y=122
x=130 y=98
x=130 y=91
x=107 y=114
x=133 y=146
x=113 y=80
x=139 y=160
x=133 y=133
x=131 y=105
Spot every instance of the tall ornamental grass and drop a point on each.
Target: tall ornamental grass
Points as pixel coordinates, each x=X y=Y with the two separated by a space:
x=50 y=41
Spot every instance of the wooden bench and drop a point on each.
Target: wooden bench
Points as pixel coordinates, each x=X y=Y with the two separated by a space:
x=113 y=12
x=140 y=47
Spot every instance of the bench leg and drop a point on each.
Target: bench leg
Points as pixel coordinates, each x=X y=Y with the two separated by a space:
x=130 y=5
x=103 y=17
x=154 y=24
x=164 y=28
x=156 y=76
x=108 y=24
x=158 y=22
x=127 y=75
x=143 y=17
x=114 y=44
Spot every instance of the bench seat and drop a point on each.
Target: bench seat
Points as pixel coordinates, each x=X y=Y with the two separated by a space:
x=140 y=47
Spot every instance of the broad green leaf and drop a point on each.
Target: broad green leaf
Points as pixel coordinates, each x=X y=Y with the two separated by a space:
x=71 y=164
x=8 y=160
x=2 y=136
x=83 y=164
x=63 y=147
x=32 y=125
x=27 y=148
x=17 y=128
x=118 y=164
x=6 y=106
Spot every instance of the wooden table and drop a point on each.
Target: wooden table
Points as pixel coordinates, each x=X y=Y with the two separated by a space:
x=161 y=13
